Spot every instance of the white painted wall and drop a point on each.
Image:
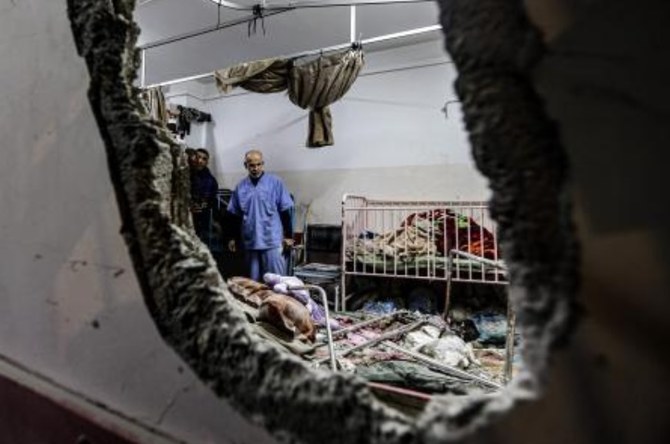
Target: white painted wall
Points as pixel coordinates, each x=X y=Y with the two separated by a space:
x=64 y=267
x=392 y=139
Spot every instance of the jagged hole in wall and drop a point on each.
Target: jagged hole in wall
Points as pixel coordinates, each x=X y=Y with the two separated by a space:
x=514 y=145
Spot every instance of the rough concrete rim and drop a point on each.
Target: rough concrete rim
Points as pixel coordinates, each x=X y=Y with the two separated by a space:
x=494 y=47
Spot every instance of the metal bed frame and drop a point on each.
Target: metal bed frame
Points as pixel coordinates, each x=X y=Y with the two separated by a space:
x=408 y=239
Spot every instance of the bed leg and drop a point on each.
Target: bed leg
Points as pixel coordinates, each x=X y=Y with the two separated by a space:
x=509 y=340
x=447 y=291
x=447 y=298
x=343 y=293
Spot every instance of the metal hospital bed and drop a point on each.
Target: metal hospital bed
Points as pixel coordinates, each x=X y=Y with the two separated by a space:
x=450 y=241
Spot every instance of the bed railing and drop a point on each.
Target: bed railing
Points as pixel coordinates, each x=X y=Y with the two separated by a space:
x=430 y=240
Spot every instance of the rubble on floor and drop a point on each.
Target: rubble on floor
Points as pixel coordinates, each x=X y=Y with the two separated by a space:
x=406 y=350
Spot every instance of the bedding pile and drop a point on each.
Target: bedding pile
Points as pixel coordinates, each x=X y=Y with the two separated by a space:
x=428 y=233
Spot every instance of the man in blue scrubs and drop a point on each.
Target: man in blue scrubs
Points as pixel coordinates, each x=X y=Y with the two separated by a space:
x=261 y=205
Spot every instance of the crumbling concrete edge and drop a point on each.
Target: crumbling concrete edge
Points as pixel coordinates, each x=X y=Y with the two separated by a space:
x=186 y=295
x=517 y=147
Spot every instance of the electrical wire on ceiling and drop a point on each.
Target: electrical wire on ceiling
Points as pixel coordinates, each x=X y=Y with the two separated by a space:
x=259 y=11
x=258 y=15
x=219 y=26
x=310 y=4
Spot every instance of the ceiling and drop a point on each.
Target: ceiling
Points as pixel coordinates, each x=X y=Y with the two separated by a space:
x=286 y=33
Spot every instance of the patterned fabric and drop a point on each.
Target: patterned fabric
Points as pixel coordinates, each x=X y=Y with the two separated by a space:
x=262 y=76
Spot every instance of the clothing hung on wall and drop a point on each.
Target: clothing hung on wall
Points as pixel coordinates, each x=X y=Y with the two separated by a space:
x=187 y=115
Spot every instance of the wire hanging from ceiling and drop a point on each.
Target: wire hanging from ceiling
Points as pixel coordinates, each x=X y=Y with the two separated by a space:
x=258 y=15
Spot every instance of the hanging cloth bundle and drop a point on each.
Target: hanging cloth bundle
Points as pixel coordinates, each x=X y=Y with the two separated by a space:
x=313 y=85
x=317 y=84
x=154 y=101
x=262 y=76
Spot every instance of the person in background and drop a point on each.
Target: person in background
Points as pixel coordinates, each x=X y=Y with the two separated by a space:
x=203 y=193
x=260 y=209
x=190 y=156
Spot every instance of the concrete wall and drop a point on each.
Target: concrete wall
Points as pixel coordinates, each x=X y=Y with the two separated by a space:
x=70 y=306
x=605 y=83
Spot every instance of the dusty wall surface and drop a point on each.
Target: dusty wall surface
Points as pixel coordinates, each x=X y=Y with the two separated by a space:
x=70 y=305
x=188 y=299
x=605 y=81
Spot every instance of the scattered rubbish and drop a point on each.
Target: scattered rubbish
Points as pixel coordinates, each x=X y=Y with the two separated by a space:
x=450 y=350
x=403 y=348
x=492 y=327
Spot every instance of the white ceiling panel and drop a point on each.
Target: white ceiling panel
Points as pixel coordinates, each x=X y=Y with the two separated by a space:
x=159 y=19
x=285 y=33
x=373 y=21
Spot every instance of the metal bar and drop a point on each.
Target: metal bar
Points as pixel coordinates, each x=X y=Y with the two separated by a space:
x=383 y=337
x=231 y=5
x=453 y=371
x=468 y=244
x=329 y=333
x=337 y=298
x=418 y=206
x=480 y=282
x=496 y=264
x=447 y=291
x=401 y=34
x=384 y=230
x=352 y=24
x=401 y=391
x=143 y=72
x=343 y=256
x=180 y=80
x=366 y=323
x=459 y=241
x=410 y=276
x=494 y=230
x=433 y=240
x=509 y=340
x=482 y=239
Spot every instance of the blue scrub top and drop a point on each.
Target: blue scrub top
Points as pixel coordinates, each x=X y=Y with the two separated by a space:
x=259 y=206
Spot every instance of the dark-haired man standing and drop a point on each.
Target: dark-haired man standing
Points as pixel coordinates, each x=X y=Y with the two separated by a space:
x=203 y=194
